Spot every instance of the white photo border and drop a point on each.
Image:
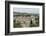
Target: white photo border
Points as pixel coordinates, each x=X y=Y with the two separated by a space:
x=25 y=29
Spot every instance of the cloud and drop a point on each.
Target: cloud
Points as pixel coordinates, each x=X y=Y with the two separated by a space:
x=27 y=10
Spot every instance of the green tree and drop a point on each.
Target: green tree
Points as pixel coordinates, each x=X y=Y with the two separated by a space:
x=17 y=24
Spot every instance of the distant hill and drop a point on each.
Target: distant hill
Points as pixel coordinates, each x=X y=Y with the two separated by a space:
x=25 y=14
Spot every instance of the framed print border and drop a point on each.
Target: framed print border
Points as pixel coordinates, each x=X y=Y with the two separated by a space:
x=7 y=17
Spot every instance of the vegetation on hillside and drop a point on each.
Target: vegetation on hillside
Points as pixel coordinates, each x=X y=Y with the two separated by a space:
x=32 y=24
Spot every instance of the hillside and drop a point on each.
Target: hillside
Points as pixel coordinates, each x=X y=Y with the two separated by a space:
x=24 y=14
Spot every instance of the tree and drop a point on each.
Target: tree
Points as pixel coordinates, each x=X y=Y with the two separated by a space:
x=17 y=24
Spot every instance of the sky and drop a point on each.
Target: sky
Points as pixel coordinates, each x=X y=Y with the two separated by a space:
x=27 y=10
